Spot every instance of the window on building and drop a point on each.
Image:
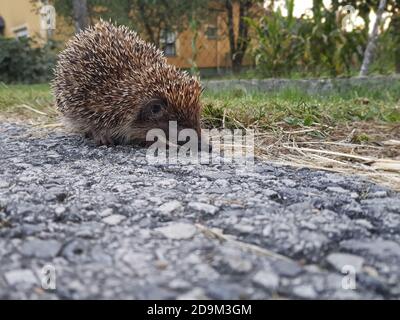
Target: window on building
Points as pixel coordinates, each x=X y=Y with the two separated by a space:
x=21 y=32
x=212 y=32
x=2 y=26
x=168 y=42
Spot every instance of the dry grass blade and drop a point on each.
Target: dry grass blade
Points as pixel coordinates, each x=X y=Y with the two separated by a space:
x=25 y=106
x=339 y=144
x=326 y=160
x=387 y=165
x=333 y=153
x=391 y=143
x=51 y=125
x=242 y=245
x=389 y=179
x=223 y=118
x=300 y=131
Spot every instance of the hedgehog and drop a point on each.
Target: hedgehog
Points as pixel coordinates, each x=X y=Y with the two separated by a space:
x=113 y=87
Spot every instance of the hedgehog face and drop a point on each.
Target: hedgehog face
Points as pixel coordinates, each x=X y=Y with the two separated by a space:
x=153 y=111
x=157 y=113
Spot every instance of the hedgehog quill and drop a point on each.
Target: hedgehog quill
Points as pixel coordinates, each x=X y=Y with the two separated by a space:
x=113 y=87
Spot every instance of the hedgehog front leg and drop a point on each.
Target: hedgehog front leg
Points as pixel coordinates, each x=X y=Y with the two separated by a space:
x=88 y=135
x=103 y=139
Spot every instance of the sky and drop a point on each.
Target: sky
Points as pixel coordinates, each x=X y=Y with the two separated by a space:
x=301 y=6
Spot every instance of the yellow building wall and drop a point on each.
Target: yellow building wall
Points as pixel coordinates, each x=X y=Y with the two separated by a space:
x=209 y=53
x=20 y=13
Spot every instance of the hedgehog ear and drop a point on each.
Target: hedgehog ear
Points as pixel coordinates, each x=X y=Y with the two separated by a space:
x=152 y=110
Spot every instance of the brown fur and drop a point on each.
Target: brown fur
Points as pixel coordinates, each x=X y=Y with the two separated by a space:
x=106 y=78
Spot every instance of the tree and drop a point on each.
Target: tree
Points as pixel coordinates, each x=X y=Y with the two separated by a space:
x=238 y=33
x=369 y=51
x=75 y=11
x=151 y=17
x=317 y=8
x=395 y=31
x=80 y=14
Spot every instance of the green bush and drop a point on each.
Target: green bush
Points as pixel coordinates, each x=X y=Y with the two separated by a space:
x=278 y=47
x=288 y=46
x=24 y=61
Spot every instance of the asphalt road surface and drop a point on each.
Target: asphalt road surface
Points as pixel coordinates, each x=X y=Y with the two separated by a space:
x=104 y=223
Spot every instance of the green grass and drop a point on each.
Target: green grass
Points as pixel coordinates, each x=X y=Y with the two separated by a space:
x=296 y=108
x=15 y=99
x=236 y=108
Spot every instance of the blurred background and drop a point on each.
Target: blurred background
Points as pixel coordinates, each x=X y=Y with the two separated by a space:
x=215 y=38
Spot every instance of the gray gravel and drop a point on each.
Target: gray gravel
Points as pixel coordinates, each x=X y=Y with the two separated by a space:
x=113 y=226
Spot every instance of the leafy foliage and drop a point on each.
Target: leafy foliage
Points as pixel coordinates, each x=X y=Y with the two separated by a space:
x=23 y=61
x=278 y=47
x=281 y=44
x=148 y=17
x=317 y=45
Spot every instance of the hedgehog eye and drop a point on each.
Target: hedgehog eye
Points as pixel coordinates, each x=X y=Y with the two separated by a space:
x=156 y=108
x=153 y=110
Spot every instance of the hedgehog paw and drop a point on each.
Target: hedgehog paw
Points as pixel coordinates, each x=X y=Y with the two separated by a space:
x=104 y=140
